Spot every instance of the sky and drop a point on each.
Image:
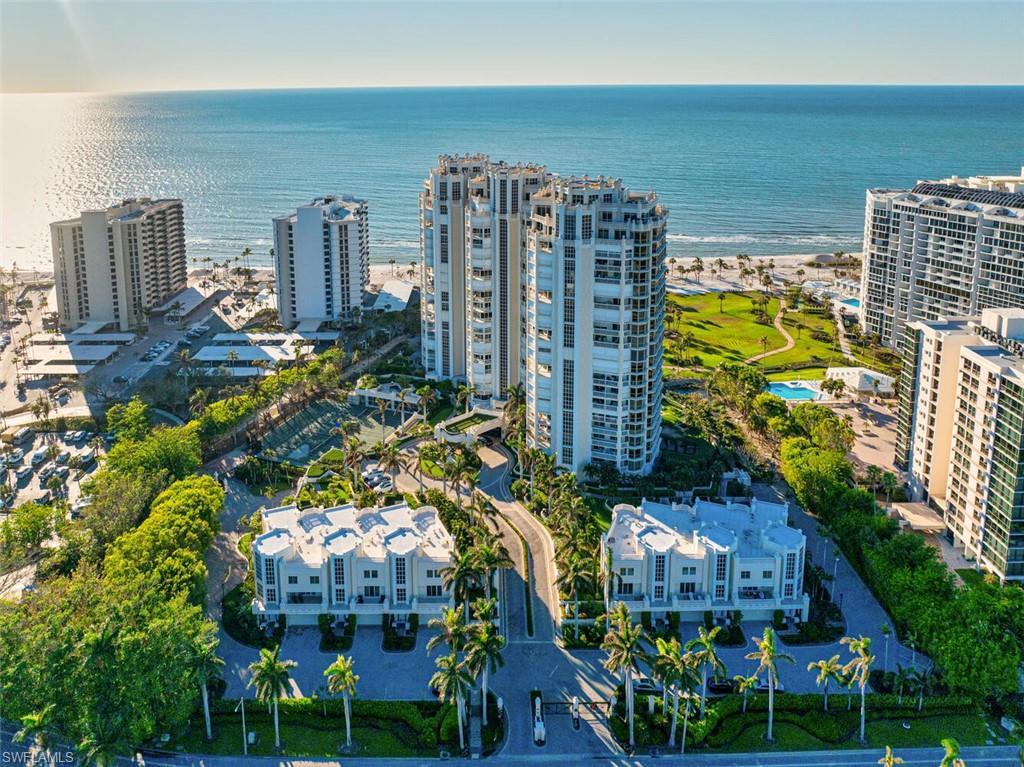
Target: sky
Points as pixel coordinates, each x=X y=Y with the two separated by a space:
x=87 y=45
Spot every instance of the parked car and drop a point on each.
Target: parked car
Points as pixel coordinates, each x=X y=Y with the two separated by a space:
x=63 y=458
x=23 y=473
x=45 y=472
x=643 y=685
x=16 y=456
x=62 y=471
x=385 y=485
x=762 y=686
x=38 y=457
x=720 y=687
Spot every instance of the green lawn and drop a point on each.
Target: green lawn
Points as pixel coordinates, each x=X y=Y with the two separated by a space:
x=722 y=332
x=924 y=732
x=307 y=736
x=461 y=427
x=728 y=331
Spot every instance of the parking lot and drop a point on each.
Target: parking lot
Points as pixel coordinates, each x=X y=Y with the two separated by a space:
x=29 y=464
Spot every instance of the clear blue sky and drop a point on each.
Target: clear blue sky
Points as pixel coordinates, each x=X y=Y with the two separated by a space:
x=80 y=45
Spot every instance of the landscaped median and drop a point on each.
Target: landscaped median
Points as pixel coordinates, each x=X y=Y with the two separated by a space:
x=316 y=728
x=802 y=724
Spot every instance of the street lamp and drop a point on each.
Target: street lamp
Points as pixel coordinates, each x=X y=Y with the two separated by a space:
x=245 y=735
x=835 y=573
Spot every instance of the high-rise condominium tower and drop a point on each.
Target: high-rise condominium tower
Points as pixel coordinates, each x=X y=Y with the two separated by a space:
x=944 y=248
x=573 y=311
x=594 y=323
x=960 y=433
x=114 y=265
x=473 y=216
x=322 y=260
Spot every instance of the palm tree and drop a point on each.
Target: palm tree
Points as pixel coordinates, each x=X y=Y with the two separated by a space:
x=452 y=628
x=890 y=484
x=952 y=756
x=490 y=558
x=890 y=759
x=207 y=666
x=197 y=403
x=623 y=645
x=459 y=472
x=768 y=656
x=828 y=671
x=763 y=340
x=342 y=679
x=35 y=727
x=483 y=656
x=270 y=676
x=576 y=573
x=427 y=398
x=382 y=411
x=390 y=460
x=901 y=679
x=452 y=683
x=675 y=669
x=744 y=684
x=355 y=451
x=464 y=396
x=461 y=576
x=706 y=657
x=859 y=670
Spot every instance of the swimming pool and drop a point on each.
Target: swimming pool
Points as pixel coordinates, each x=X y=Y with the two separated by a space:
x=793 y=390
x=853 y=303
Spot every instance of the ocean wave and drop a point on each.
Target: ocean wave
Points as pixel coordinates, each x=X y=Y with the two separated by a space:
x=777 y=239
x=396 y=244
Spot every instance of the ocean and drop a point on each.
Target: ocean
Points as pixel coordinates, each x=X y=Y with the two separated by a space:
x=762 y=170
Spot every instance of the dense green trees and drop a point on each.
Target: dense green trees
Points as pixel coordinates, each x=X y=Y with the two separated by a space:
x=115 y=649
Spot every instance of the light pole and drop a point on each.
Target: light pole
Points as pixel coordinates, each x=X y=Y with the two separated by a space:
x=885 y=632
x=245 y=734
x=835 y=574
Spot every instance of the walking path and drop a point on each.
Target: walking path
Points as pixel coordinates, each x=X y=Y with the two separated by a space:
x=790 y=343
x=844 y=341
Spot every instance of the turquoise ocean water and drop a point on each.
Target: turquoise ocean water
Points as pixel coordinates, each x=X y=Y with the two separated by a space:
x=761 y=170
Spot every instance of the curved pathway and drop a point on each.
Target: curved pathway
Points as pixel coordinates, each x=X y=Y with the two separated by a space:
x=790 y=343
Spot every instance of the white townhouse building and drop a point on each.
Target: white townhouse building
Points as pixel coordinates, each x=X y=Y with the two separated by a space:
x=557 y=284
x=112 y=266
x=708 y=556
x=946 y=248
x=347 y=561
x=322 y=259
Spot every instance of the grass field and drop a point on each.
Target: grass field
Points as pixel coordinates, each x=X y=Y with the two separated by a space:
x=923 y=732
x=728 y=330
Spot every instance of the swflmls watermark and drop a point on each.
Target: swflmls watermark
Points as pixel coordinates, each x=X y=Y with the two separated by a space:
x=37 y=759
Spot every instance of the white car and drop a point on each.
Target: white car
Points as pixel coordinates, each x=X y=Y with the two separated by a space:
x=23 y=473
x=38 y=457
x=16 y=455
x=385 y=485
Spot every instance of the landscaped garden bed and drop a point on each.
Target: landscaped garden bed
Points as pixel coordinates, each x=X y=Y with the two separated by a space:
x=399 y=641
x=330 y=639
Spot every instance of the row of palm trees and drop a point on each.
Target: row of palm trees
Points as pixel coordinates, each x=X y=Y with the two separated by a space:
x=685 y=670
x=474 y=652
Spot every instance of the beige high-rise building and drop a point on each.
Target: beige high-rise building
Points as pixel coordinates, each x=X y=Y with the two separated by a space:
x=114 y=265
x=960 y=431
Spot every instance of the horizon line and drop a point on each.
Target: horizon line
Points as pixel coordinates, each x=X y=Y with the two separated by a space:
x=470 y=86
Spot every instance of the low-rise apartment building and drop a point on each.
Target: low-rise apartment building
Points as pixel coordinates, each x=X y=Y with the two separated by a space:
x=960 y=431
x=707 y=557
x=346 y=561
x=945 y=248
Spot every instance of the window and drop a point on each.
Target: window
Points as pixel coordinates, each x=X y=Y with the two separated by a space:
x=659 y=567
x=744 y=575
x=721 y=566
x=400 y=594
x=766 y=574
x=687 y=588
x=790 y=566
x=314 y=580
x=339 y=595
x=433 y=573
x=371 y=591
x=626 y=572
x=625 y=588
x=271 y=595
x=588 y=226
x=400 y=573
x=268 y=576
x=569 y=226
x=293 y=580
x=339 y=572
x=688 y=570
x=434 y=590
x=788 y=590
x=369 y=574
x=659 y=592
x=720 y=591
